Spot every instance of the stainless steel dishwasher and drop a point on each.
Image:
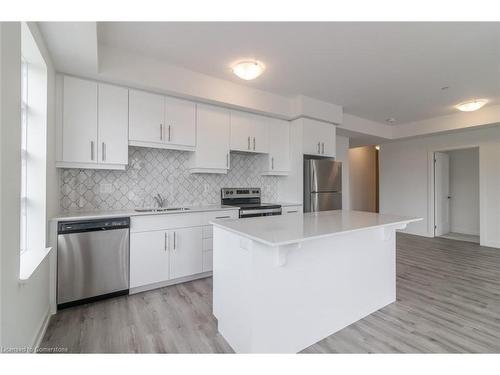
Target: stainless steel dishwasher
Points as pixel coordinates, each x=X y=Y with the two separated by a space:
x=92 y=260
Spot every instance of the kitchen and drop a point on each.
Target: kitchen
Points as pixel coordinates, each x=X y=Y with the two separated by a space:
x=185 y=212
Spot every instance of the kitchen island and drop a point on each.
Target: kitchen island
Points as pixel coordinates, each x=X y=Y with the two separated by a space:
x=283 y=283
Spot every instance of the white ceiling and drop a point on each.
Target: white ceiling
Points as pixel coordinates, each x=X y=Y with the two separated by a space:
x=374 y=70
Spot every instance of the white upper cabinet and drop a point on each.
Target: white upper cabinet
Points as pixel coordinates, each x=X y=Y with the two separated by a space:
x=112 y=125
x=249 y=132
x=92 y=130
x=212 y=151
x=180 y=122
x=146 y=118
x=277 y=162
x=318 y=138
x=79 y=121
x=161 y=122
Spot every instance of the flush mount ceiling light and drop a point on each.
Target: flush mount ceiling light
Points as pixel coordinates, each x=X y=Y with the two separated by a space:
x=471 y=105
x=249 y=69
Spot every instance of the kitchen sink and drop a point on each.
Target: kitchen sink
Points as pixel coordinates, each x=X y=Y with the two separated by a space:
x=162 y=209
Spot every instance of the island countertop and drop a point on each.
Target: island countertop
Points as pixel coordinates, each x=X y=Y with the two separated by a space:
x=290 y=229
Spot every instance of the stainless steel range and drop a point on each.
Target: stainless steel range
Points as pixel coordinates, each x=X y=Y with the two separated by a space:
x=248 y=200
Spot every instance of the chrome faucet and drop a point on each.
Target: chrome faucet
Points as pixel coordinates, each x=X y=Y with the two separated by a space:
x=160 y=201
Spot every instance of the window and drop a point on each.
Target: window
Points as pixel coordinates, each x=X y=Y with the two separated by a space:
x=24 y=154
x=33 y=155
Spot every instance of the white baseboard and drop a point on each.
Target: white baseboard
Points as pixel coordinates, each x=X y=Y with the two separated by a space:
x=41 y=331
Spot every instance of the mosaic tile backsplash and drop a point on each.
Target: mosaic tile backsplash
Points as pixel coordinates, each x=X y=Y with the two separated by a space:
x=151 y=171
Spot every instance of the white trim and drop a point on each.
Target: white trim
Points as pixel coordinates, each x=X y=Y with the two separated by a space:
x=30 y=260
x=162 y=284
x=66 y=164
x=41 y=332
x=166 y=146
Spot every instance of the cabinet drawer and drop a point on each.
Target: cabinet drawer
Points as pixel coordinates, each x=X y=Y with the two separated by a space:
x=207 y=261
x=291 y=210
x=208 y=244
x=168 y=221
x=215 y=215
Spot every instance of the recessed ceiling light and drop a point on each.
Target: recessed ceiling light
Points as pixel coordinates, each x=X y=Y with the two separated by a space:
x=391 y=120
x=471 y=105
x=249 y=69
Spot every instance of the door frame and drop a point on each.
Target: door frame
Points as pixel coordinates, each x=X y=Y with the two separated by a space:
x=431 y=209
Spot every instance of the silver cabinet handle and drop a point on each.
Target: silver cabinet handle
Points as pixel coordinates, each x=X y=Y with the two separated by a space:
x=161 y=132
x=223 y=217
x=254 y=143
x=272 y=163
x=169 y=133
x=323 y=147
x=103 y=151
x=166 y=241
x=227 y=160
x=174 y=241
x=91 y=150
x=291 y=212
x=319 y=145
x=249 y=142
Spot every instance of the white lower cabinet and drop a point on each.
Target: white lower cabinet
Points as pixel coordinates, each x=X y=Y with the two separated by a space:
x=166 y=248
x=185 y=252
x=290 y=210
x=149 y=258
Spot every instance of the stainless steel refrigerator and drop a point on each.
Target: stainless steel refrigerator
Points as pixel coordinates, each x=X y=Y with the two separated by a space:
x=322 y=185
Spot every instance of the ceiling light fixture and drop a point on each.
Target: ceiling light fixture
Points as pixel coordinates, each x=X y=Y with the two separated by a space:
x=391 y=120
x=471 y=105
x=249 y=69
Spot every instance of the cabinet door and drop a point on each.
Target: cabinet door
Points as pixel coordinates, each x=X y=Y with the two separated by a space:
x=149 y=258
x=113 y=125
x=146 y=117
x=318 y=138
x=241 y=131
x=279 y=148
x=213 y=127
x=180 y=122
x=328 y=146
x=260 y=142
x=79 y=121
x=186 y=252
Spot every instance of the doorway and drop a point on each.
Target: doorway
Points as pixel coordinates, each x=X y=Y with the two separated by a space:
x=456 y=194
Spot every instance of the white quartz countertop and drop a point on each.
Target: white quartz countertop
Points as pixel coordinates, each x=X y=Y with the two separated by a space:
x=289 y=229
x=103 y=214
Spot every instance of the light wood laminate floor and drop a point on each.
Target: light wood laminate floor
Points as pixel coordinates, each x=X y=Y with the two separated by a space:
x=448 y=300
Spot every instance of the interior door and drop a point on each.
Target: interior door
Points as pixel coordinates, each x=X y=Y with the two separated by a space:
x=149 y=259
x=146 y=117
x=441 y=193
x=180 y=122
x=79 y=121
x=186 y=252
x=113 y=124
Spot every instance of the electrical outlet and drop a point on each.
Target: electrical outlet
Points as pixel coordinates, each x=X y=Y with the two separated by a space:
x=106 y=188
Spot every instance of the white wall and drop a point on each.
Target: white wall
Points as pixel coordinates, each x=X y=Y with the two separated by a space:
x=363 y=178
x=406 y=179
x=464 y=191
x=24 y=305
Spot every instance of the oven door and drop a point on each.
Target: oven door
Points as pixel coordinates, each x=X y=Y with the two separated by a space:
x=252 y=212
